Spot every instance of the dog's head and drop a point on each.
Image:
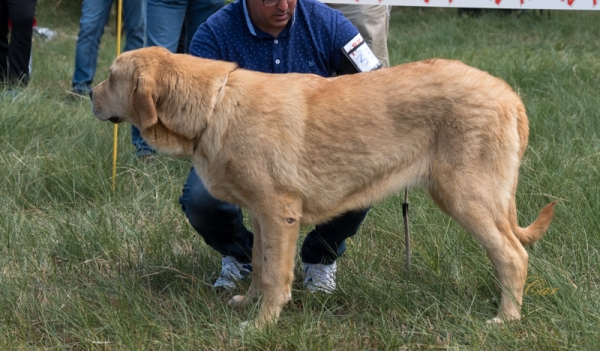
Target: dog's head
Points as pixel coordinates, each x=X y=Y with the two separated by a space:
x=136 y=91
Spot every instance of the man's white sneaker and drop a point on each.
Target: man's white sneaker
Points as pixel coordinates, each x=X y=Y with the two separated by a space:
x=319 y=277
x=232 y=271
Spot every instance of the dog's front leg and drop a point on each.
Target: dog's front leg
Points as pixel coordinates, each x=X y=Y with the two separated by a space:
x=279 y=223
x=255 y=289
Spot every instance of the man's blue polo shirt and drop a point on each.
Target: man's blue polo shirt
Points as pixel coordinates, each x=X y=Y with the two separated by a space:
x=310 y=43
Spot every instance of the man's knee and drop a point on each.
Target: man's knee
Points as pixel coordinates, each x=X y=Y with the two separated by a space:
x=201 y=208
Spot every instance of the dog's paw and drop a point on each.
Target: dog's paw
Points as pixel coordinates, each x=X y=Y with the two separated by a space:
x=240 y=301
x=501 y=321
x=246 y=326
x=495 y=321
x=252 y=326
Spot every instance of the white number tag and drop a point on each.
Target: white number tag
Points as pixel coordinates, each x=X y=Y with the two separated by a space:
x=361 y=55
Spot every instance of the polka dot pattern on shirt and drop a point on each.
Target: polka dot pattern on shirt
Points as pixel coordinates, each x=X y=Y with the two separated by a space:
x=311 y=43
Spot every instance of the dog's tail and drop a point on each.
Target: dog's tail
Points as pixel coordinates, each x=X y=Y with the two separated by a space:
x=535 y=231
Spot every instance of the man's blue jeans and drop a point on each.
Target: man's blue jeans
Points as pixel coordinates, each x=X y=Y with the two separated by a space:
x=165 y=18
x=94 y=15
x=220 y=225
x=142 y=148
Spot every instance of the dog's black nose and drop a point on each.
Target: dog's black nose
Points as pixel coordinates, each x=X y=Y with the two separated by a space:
x=91 y=93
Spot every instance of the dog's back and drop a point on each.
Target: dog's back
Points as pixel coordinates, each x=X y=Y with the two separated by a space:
x=417 y=119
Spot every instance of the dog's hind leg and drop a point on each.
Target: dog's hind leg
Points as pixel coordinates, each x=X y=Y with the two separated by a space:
x=479 y=209
x=510 y=260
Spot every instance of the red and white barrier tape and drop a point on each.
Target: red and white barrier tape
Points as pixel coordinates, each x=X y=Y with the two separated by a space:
x=490 y=4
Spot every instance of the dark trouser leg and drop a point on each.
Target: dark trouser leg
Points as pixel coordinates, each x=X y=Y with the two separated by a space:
x=327 y=241
x=218 y=223
x=3 y=42
x=21 y=13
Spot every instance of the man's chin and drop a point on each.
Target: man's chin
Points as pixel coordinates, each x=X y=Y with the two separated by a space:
x=281 y=20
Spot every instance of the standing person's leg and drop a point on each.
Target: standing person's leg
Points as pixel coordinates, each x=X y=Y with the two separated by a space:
x=197 y=13
x=142 y=149
x=3 y=43
x=181 y=42
x=134 y=14
x=372 y=22
x=221 y=226
x=163 y=24
x=94 y=15
x=21 y=14
x=165 y=18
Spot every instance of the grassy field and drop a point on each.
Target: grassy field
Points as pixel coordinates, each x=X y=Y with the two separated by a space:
x=86 y=268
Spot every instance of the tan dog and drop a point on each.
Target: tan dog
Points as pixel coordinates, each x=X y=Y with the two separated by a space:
x=301 y=149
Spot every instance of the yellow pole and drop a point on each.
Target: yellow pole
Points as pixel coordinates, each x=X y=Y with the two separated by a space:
x=116 y=126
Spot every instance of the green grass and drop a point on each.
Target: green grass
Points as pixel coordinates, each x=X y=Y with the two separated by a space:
x=83 y=267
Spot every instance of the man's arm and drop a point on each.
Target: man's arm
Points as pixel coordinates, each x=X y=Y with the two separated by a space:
x=353 y=55
x=357 y=57
x=204 y=44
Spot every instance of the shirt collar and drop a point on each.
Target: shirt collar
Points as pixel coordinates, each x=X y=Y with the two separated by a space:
x=261 y=34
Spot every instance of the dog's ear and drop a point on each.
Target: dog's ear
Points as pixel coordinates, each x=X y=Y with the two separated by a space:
x=143 y=102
